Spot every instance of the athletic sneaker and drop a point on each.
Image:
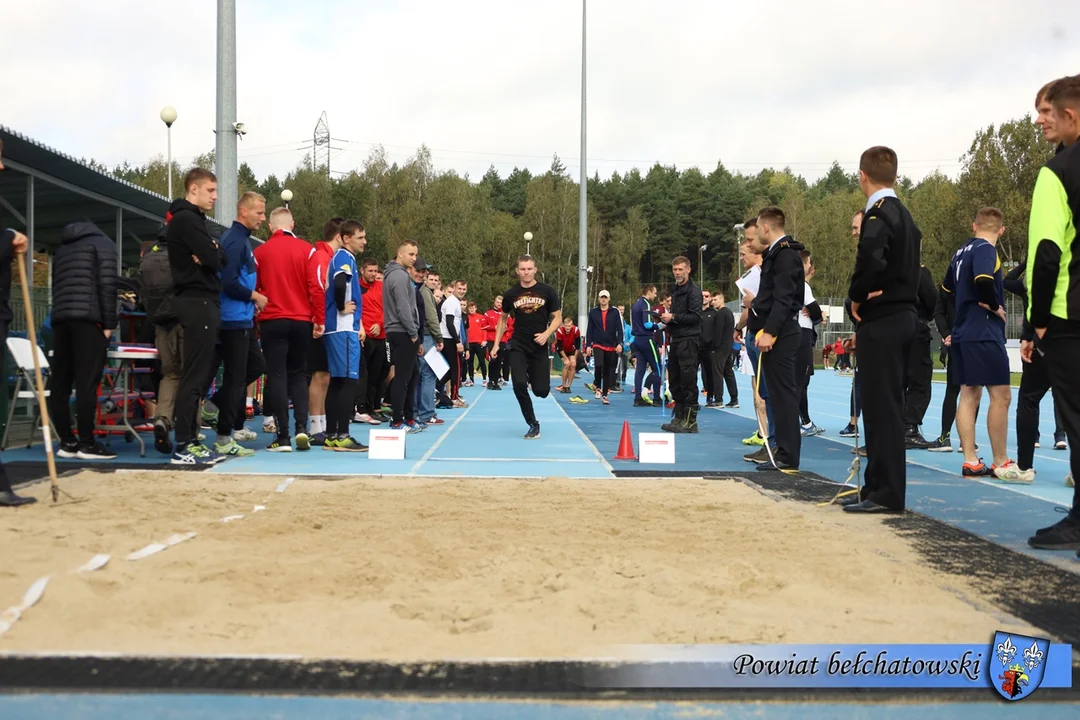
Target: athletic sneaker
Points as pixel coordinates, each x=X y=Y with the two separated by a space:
x=415 y=426
x=233 y=449
x=1069 y=482
x=209 y=417
x=68 y=449
x=758 y=457
x=942 y=444
x=604 y=399
x=330 y=443
x=598 y=394
x=162 y=442
x=590 y=387
x=578 y=400
x=280 y=445
x=1060 y=441
x=435 y=420
x=811 y=430
x=534 y=432
x=1010 y=472
x=366 y=418
x=1065 y=535
x=95 y=451
x=303 y=442
x=733 y=405
x=350 y=444
x=187 y=457
x=914 y=440
x=978 y=469
x=270 y=426
x=642 y=402
x=849 y=431
x=318 y=439
x=754 y=439
x=244 y=435
x=209 y=455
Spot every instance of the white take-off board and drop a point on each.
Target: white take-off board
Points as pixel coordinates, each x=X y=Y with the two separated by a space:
x=656 y=447
x=387 y=444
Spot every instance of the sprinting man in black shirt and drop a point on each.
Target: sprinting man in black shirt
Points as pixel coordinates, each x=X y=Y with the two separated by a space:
x=537 y=313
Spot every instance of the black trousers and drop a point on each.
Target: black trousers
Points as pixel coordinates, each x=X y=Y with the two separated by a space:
x=285 y=344
x=682 y=371
x=453 y=375
x=804 y=370
x=477 y=356
x=374 y=366
x=1034 y=384
x=1061 y=343
x=721 y=361
x=495 y=364
x=530 y=369
x=239 y=352
x=607 y=369
x=729 y=376
x=705 y=363
x=339 y=405
x=201 y=319
x=402 y=390
x=884 y=346
x=79 y=348
x=856 y=396
x=919 y=378
x=779 y=369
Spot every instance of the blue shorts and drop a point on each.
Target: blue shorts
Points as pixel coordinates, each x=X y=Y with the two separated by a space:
x=752 y=352
x=981 y=363
x=343 y=354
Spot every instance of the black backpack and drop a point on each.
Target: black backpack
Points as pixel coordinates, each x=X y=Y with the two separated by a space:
x=155 y=278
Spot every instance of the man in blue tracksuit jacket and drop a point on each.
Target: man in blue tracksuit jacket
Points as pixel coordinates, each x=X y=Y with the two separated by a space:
x=238 y=347
x=643 y=327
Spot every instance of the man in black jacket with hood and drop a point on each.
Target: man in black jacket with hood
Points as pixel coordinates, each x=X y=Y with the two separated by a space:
x=773 y=323
x=83 y=318
x=194 y=260
x=684 y=325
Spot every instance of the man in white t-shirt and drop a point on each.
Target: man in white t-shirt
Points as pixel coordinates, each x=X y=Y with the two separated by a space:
x=804 y=359
x=452 y=327
x=748 y=285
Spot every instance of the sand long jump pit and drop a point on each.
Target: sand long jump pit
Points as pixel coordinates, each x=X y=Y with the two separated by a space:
x=415 y=569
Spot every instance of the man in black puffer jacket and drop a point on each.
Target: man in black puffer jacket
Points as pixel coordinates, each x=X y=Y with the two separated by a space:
x=83 y=318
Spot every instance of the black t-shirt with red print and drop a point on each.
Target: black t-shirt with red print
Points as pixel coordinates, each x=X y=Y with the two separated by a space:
x=531 y=309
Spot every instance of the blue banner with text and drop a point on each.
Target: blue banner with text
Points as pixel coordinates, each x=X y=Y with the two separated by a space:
x=1013 y=664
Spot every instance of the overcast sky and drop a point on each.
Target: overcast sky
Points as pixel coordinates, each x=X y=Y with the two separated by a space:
x=685 y=82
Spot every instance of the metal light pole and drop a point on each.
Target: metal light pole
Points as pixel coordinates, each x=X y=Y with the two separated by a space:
x=528 y=243
x=286 y=196
x=168 y=116
x=583 y=209
x=700 y=264
x=738 y=238
x=225 y=151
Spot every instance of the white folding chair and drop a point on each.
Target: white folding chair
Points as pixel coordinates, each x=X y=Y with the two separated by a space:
x=20 y=349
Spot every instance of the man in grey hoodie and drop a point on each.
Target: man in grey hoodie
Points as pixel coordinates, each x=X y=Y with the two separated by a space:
x=403 y=333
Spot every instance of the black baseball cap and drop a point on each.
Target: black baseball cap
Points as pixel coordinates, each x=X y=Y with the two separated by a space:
x=421 y=265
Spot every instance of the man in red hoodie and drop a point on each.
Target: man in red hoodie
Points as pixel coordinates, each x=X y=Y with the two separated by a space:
x=374 y=364
x=317 y=364
x=287 y=275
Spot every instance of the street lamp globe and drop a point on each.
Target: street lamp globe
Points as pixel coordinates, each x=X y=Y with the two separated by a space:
x=286 y=195
x=528 y=236
x=168 y=116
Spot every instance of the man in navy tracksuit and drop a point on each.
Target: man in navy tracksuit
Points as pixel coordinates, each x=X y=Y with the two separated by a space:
x=604 y=340
x=643 y=329
x=238 y=346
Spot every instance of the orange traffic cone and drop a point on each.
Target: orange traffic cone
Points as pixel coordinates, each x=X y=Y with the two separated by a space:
x=626 y=444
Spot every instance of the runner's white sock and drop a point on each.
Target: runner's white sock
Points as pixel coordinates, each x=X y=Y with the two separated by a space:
x=318 y=424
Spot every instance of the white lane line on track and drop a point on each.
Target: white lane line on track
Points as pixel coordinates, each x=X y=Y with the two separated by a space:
x=435 y=446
